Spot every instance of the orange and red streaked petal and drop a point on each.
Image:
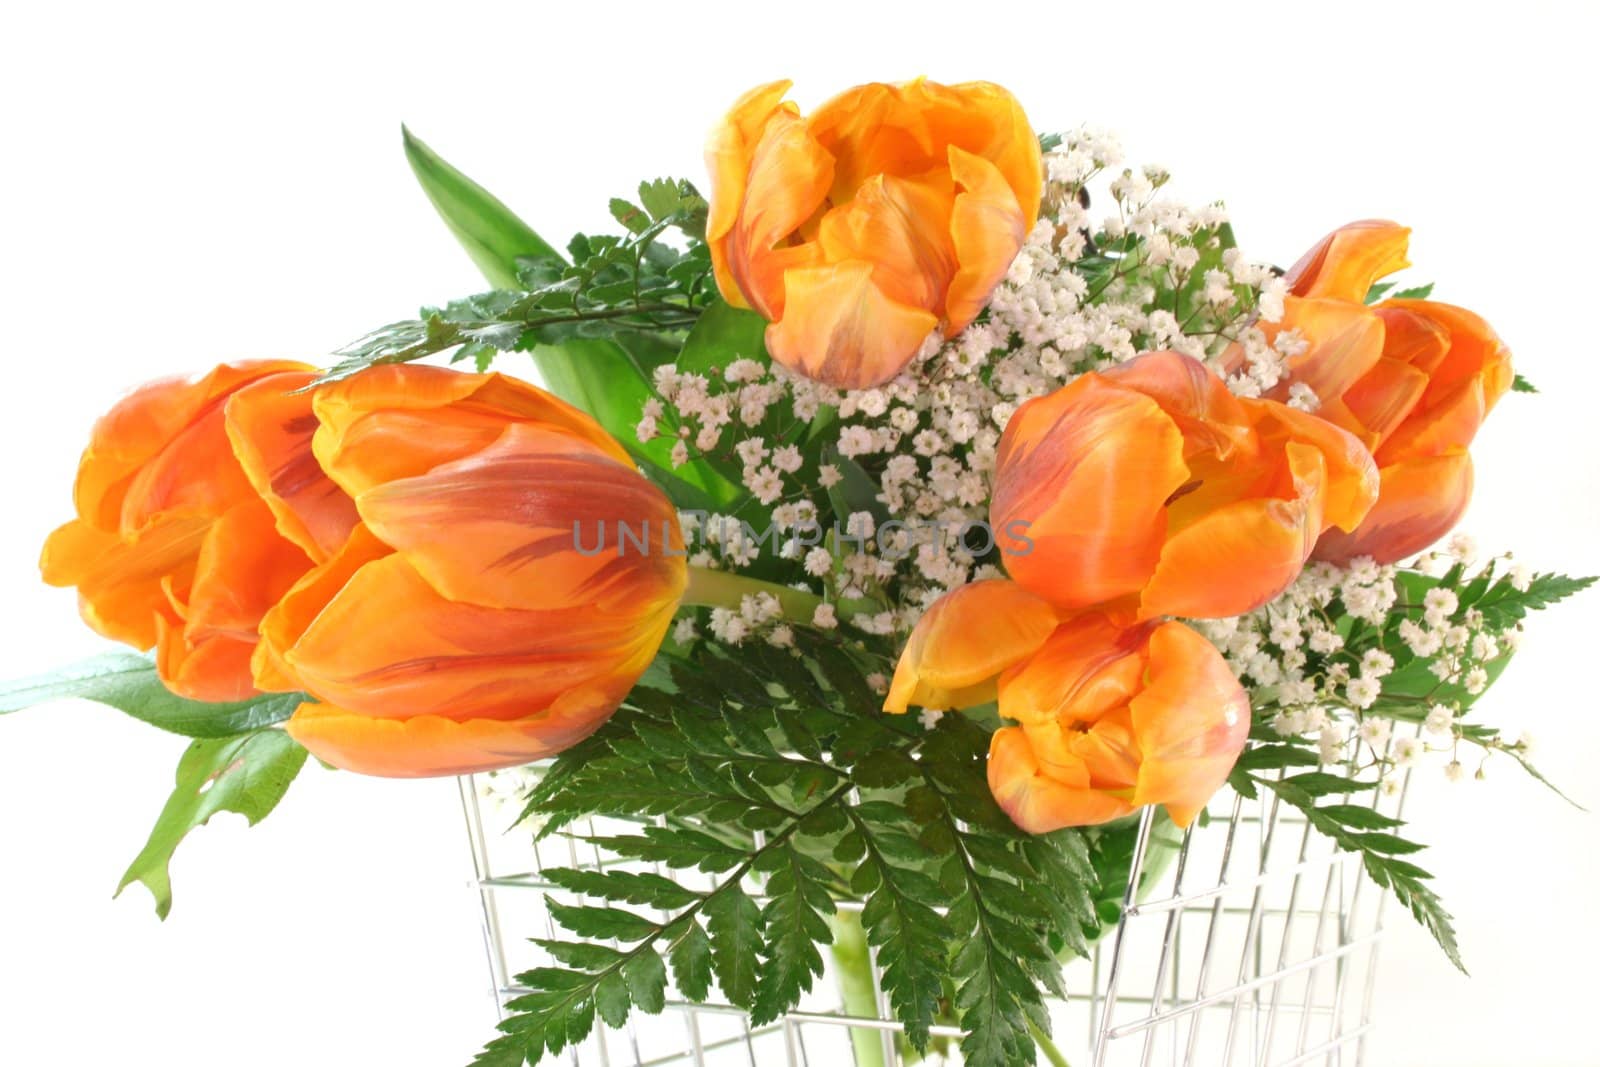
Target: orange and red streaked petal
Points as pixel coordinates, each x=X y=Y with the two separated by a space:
x=1191 y=721
x=538 y=517
x=840 y=328
x=270 y=427
x=1088 y=470
x=398 y=421
x=1086 y=668
x=432 y=745
x=987 y=229
x=1344 y=264
x=142 y=424
x=1038 y=802
x=1420 y=501
x=289 y=618
x=461 y=660
x=964 y=641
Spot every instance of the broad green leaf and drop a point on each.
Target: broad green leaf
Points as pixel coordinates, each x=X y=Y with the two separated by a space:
x=722 y=334
x=247 y=773
x=490 y=232
x=128 y=682
x=601 y=377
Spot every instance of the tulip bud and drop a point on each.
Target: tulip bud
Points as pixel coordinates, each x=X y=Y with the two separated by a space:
x=512 y=577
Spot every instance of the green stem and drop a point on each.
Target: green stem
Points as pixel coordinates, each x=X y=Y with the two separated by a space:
x=723 y=589
x=1047 y=1046
x=853 y=964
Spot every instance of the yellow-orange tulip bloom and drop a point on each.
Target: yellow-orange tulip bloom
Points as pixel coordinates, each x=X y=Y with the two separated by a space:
x=1413 y=379
x=488 y=611
x=890 y=211
x=1151 y=490
x=1109 y=718
x=173 y=547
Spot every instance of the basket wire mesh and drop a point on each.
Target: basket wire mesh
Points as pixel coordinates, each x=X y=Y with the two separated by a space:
x=1255 y=941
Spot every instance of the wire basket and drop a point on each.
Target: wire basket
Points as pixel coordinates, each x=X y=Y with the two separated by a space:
x=1248 y=939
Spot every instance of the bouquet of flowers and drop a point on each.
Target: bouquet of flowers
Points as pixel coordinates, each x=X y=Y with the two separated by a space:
x=893 y=522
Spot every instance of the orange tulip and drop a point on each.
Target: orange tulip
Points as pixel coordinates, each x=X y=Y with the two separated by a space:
x=1151 y=490
x=172 y=546
x=474 y=619
x=856 y=232
x=1108 y=718
x=1413 y=379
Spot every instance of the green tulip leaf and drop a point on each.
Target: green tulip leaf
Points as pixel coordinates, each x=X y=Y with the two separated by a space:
x=128 y=682
x=490 y=232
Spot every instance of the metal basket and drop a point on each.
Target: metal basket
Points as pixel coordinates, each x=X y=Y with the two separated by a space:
x=1257 y=944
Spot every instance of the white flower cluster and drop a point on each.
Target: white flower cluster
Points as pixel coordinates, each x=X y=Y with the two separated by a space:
x=1084 y=293
x=1318 y=655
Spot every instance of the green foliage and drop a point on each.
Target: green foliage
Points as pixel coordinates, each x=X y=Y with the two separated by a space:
x=777 y=775
x=1519 y=384
x=128 y=682
x=1353 y=827
x=247 y=773
x=490 y=232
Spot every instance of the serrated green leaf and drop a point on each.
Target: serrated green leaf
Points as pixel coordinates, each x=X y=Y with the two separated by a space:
x=646 y=976
x=611 y=1000
x=589 y=921
x=629 y=887
x=691 y=962
x=248 y=773
x=733 y=923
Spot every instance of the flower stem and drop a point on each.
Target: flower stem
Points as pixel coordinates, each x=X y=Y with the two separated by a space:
x=1046 y=1046
x=724 y=589
x=853 y=964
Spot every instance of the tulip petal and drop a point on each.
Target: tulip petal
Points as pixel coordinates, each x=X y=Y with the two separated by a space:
x=1349 y=479
x=243 y=568
x=1191 y=720
x=431 y=745
x=964 y=641
x=1087 y=668
x=211 y=666
x=537 y=517
x=460 y=660
x=728 y=155
x=988 y=227
x=787 y=185
x=1382 y=399
x=1344 y=264
x=1088 y=471
x=838 y=327
x=1475 y=351
x=143 y=424
x=1233 y=558
x=1421 y=499
x=288 y=619
x=1038 y=802
x=902 y=228
x=397 y=421
x=120 y=582
x=1343 y=342
x=270 y=428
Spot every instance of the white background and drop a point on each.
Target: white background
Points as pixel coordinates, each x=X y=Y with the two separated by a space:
x=182 y=186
